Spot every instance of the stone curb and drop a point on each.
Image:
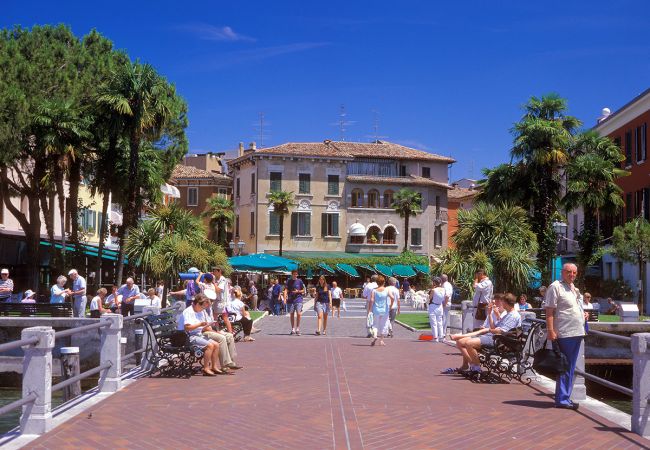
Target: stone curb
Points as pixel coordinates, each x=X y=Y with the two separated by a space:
x=266 y=313
x=408 y=327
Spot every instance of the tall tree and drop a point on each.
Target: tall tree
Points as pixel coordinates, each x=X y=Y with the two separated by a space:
x=631 y=243
x=220 y=212
x=280 y=201
x=407 y=203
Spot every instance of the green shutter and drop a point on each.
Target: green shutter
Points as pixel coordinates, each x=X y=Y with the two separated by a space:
x=323 y=224
x=274 y=223
x=335 y=224
x=294 y=224
x=307 y=224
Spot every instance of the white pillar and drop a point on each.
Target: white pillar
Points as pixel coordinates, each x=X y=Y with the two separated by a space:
x=110 y=379
x=641 y=383
x=37 y=379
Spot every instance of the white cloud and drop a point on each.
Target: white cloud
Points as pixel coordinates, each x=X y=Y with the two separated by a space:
x=213 y=33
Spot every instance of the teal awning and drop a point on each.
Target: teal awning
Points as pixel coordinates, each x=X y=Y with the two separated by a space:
x=384 y=270
x=262 y=262
x=348 y=270
x=326 y=267
x=422 y=268
x=88 y=250
x=366 y=267
x=401 y=270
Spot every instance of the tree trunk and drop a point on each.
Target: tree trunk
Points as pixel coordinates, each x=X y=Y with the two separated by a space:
x=406 y=232
x=103 y=234
x=47 y=206
x=60 y=193
x=281 y=232
x=75 y=181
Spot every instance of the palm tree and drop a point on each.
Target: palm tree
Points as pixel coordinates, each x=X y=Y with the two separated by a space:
x=407 y=203
x=220 y=212
x=281 y=201
x=541 y=142
x=591 y=184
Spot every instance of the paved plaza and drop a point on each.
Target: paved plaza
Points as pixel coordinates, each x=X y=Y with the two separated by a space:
x=335 y=391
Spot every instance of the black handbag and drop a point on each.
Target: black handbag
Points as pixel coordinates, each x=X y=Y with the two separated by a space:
x=480 y=313
x=550 y=361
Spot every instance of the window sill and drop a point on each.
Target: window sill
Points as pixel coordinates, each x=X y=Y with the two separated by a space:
x=302 y=238
x=415 y=245
x=272 y=236
x=333 y=196
x=332 y=238
x=363 y=208
x=307 y=195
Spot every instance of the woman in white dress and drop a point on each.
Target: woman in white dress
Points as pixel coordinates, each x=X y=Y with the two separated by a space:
x=436 y=300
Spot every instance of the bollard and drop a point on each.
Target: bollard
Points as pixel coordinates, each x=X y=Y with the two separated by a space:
x=139 y=332
x=467 y=316
x=641 y=383
x=37 y=379
x=69 y=369
x=110 y=378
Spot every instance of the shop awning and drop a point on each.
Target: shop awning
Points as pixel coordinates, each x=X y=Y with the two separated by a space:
x=366 y=267
x=403 y=271
x=384 y=270
x=348 y=270
x=88 y=250
x=422 y=268
x=326 y=267
x=262 y=262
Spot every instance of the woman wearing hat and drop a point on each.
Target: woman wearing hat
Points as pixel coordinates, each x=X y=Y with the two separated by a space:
x=29 y=297
x=436 y=299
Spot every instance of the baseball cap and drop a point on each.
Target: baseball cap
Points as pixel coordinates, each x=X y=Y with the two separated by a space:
x=29 y=293
x=4 y=271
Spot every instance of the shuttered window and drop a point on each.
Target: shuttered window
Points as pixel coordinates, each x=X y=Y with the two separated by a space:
x=304 y=183
x=628 y=148
x=274 y=223
x=300 y=224
x=332 y=185
x=276 y=181
x=329 y=224
x=416 y=236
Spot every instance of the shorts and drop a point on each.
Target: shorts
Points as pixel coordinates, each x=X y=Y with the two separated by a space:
x=198 y=340
x=336 y=302
x=487 y=340
x=219 y=308
x=297 y=307
x=322 y=307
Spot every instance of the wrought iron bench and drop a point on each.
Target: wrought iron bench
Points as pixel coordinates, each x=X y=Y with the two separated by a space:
x=237 y=329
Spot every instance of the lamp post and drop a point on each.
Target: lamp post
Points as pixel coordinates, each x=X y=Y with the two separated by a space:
x=237 y=246
x=560 y=232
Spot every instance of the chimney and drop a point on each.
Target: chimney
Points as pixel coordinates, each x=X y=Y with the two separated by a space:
x=241 y=149
x=252 y=146
x=605 y=113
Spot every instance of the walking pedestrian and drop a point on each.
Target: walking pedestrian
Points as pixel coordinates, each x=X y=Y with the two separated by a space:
x=276 y=297
x=223 y=291
x=565 y=325
x=395 y=306
x=367 y=293
x=78 y=293
x=380 y=303
x=6 y=286
x=482 y=296
x=293 y=292
x=446 y=306
x=322 y=305
x=436 y=299
x=252 y=295
x=337 y=295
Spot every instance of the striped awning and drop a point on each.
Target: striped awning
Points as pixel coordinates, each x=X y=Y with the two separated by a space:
x=348 y=270
x=326 y=267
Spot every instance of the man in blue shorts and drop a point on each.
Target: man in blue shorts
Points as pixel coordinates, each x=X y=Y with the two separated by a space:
x=293 y=292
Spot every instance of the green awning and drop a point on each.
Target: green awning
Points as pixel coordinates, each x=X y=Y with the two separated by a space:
x=366 y=267
x=384 y=270
x=422 y=268
x=326 y=267
x=401 y=270
x=348 y=270
x=88 y=250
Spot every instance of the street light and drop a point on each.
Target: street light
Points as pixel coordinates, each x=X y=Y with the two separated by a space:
x=237 y=247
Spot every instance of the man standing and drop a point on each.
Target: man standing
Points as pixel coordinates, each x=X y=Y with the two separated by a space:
x=223 y=296
x=393 y=290
x=6 y=286
x=252 y=295
x=565 y=325
x=482 y=296
x=367 y=293
x=78 y=293
x=129 y=292
x=293 y=292
x=337 y=296
x=446 y=306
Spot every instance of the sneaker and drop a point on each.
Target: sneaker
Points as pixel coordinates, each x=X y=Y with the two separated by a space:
x=297 y=332
x=317 y=333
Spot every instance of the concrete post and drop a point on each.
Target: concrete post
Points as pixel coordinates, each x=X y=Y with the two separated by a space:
x=69 y=369
x=110 y=351
x=579 y=392
x=139 y=332
x=37 y=379
x=641 y=383
x=467 y=322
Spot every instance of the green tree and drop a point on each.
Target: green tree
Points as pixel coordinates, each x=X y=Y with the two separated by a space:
x=281 y=201
x=631 y=243
x=407 y=203
x=220 y=212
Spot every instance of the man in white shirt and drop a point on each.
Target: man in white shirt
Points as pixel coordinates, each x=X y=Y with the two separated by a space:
x=395 y=308
x=367 y=292
x=446 y=306
x=223 y=296
x=194 y=321
x=78 y=293
x=482 y=296
x=337 y=296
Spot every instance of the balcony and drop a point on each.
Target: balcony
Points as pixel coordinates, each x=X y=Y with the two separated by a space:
x=441 y=217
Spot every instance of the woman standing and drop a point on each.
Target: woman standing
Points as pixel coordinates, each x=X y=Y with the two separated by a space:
x=58 y=292
x=322 y=304
x=380 y=303
x=436 y=299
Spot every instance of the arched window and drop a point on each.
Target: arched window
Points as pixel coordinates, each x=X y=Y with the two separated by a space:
x=357 y=198
x=388 y=199
x=390 y=235
x=373 y=198
x=372 y=236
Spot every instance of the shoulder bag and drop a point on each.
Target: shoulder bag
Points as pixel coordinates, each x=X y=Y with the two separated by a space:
x=550 y=360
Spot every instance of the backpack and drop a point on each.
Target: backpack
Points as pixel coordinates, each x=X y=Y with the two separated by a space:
x=191 y=290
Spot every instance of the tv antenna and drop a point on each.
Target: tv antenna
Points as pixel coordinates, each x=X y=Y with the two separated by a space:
x=343 y=123
x=376 y=137
x=259 y=128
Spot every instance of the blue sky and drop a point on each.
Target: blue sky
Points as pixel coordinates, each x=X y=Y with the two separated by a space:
x=447 y=77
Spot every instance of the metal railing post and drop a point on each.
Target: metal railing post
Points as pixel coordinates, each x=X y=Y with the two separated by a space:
x=139 y=332
x=37 y=379
x=152 y=347
x=110 y=352
x=641 y=383
x=579 y=392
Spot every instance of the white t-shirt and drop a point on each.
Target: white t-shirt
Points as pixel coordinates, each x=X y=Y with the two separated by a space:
x=449 y=291
x=496 y=316
x=483 y=292
x=110 y=300
x=336 y=292
x=224 y=284
x=94 y=303
x=191 y=317
x=392 y=290
x=237 y=307
x=155 y=301
x=367 y=291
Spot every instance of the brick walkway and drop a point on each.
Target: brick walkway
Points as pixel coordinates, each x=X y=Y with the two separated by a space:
x=312 y=392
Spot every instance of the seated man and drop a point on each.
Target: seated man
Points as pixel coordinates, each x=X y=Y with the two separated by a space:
x=194 y=321
x=470 y=343
x=226 y=341
x=114 y=300
x=238 y=308
x=612 y=308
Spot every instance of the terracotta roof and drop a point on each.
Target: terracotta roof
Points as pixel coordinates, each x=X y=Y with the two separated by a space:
x=458 y=193
x=184 y=172
x=346 y=150
x=411 y=180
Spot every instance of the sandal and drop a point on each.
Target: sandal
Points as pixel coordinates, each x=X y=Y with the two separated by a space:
x=449 y=371
x=225 y=372
x=208 y=374
x=248 y=339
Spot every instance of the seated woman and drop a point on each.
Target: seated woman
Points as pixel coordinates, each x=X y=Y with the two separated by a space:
x=29 y=297
x=153 y=299
x=237 y=307
x=586 y=302
x=193 y=321
x=97 y=304
x=522 y=303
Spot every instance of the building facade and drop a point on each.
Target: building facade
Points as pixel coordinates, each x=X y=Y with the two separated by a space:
x=343 y=195
x=458 y=198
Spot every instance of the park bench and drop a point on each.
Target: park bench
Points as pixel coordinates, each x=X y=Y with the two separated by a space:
x=541 y=314
x=168 y=349
x=511 y=358
x=237 y=329
x=36 y=309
